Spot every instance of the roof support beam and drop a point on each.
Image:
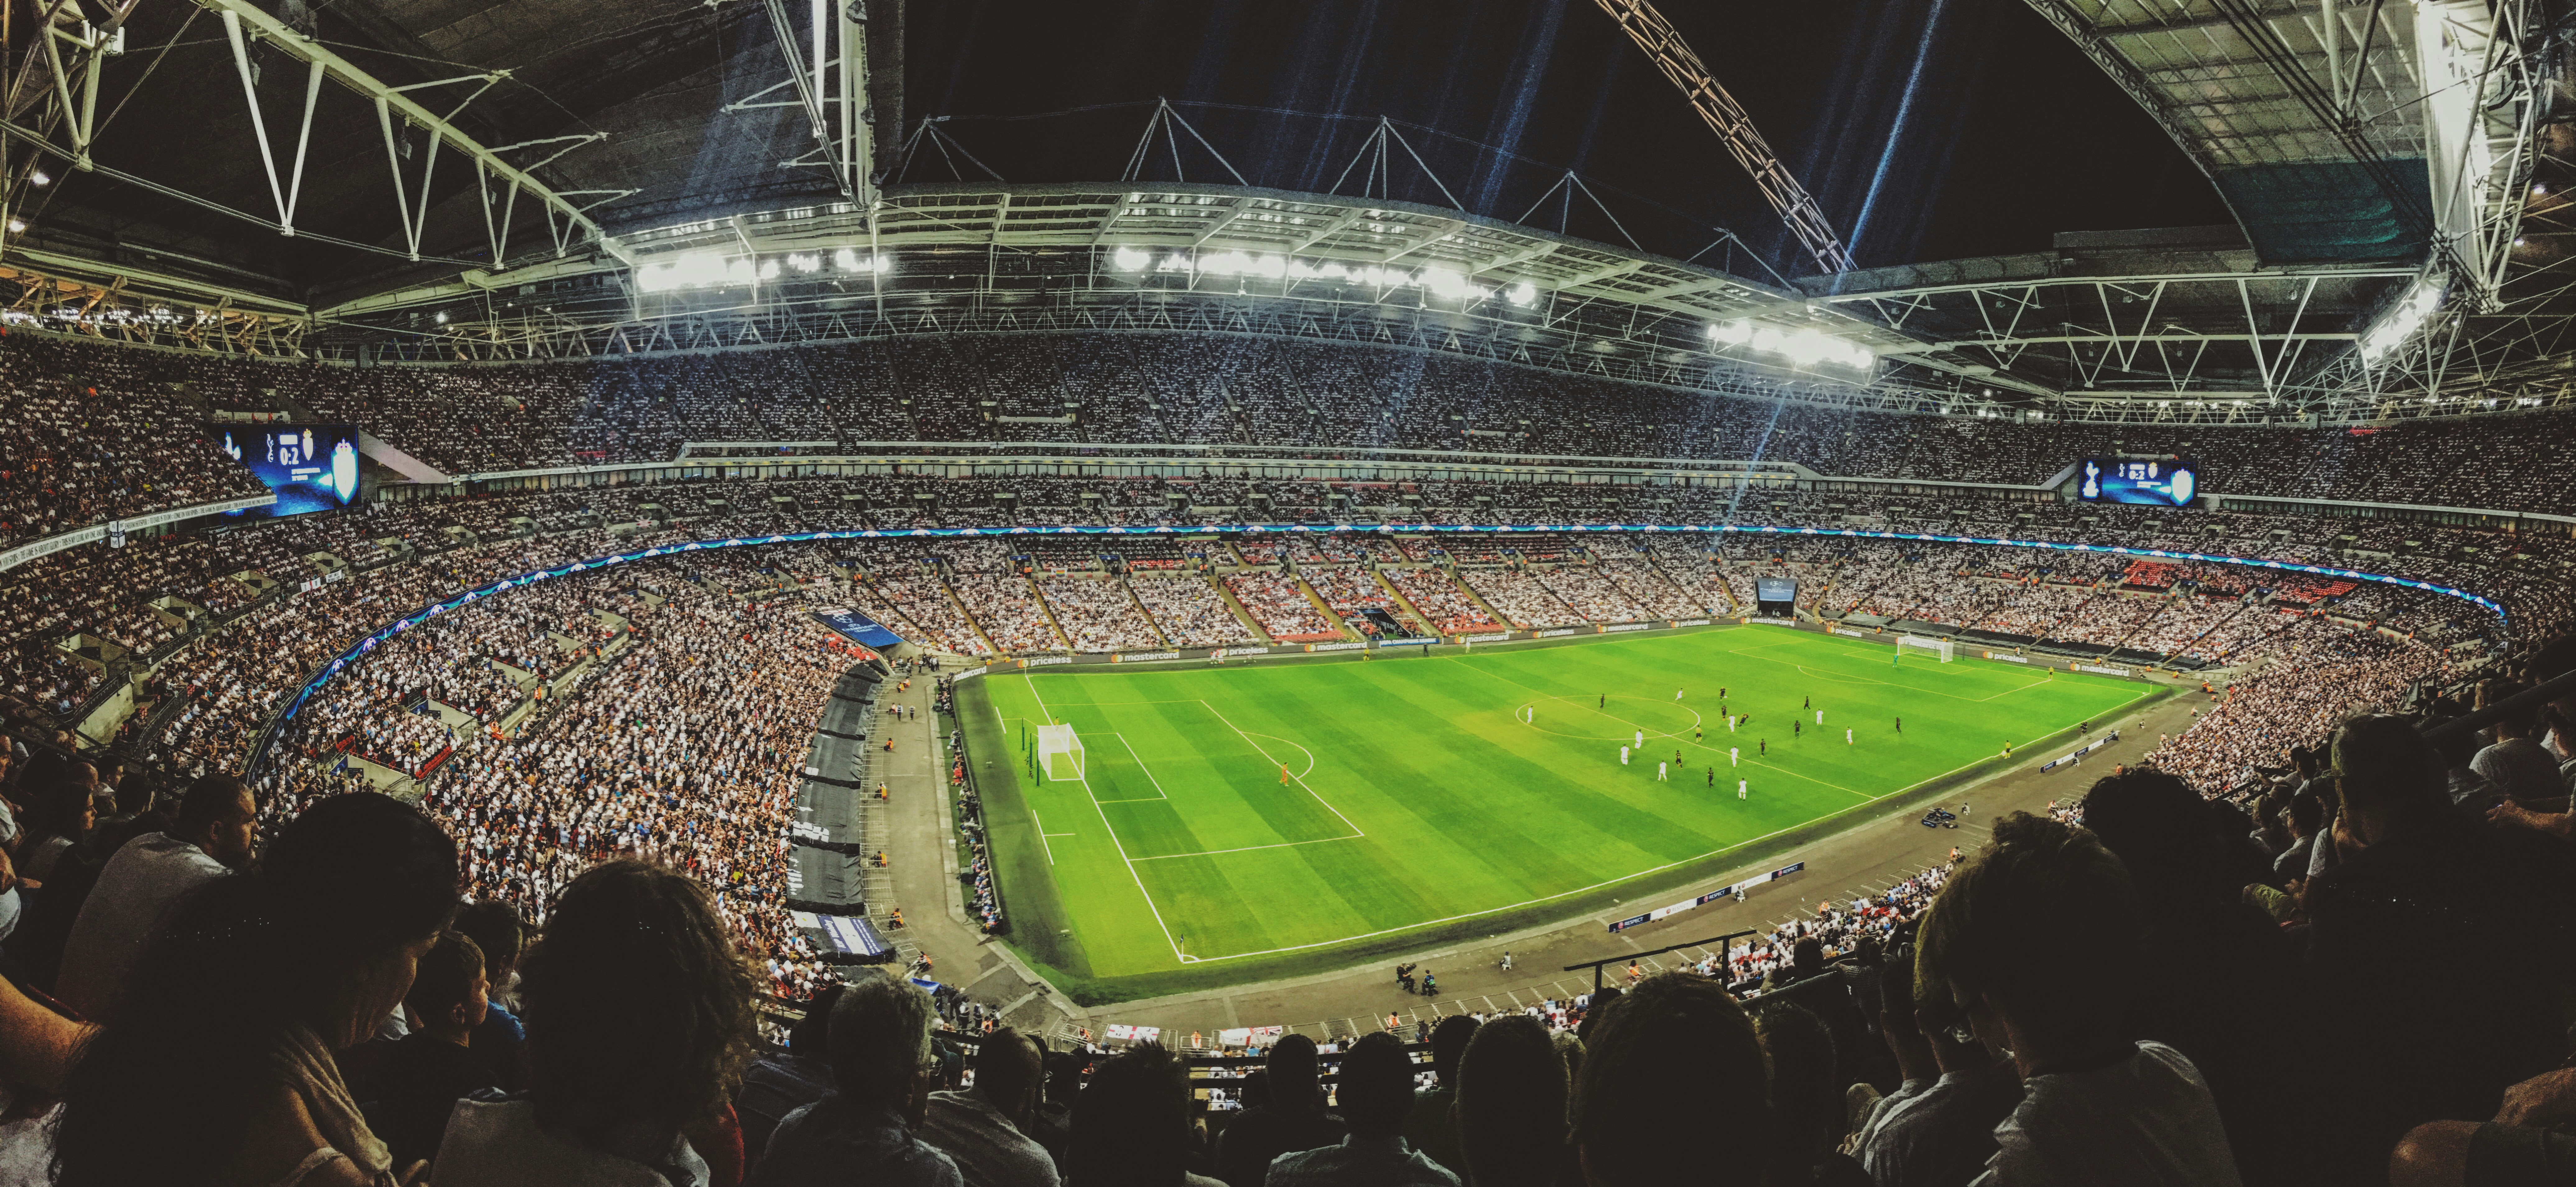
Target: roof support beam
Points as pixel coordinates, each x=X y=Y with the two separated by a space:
x=390 y=100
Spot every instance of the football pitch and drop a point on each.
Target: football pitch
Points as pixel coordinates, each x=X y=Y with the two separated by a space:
x=1263 y=819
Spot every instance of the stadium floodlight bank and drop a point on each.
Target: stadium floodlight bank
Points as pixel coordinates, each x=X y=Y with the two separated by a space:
x=1947 y=649
x=1059 y=752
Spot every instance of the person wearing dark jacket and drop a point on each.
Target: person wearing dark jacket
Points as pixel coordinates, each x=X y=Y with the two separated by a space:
x=1293 y=1120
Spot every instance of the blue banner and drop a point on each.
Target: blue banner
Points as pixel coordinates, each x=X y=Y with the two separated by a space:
x=854 y=625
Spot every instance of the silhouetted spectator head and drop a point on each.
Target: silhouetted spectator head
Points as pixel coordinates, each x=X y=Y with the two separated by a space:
x=217 y=815
x=1806 y=1094
x=1512 y=1097
x=880 y=1041
x=1671 y=1072
x=2157 y=825
x=1293 y=1074
x=1131 y=1125
x=639 y=1006
x=2037 y=934
x=449 y=993
x=2388 y=774
x=1009 y=1069
x=1449 y=1041
x=1376 y=1086
x=498 y=932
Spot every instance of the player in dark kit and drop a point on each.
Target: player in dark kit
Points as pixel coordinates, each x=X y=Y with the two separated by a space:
x=1765 y=745
x=1900 y=725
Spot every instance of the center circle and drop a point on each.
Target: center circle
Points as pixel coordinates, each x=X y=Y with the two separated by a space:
x=1587 y=718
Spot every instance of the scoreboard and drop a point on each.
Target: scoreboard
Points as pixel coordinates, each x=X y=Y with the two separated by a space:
x=2154 y=482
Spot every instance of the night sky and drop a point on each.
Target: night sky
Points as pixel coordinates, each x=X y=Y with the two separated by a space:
x=1929 y=129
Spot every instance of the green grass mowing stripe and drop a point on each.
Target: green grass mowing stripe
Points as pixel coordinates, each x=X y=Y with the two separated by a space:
x=1466 y=806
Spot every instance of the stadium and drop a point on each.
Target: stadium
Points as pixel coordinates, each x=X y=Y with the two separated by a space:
x=592 y=595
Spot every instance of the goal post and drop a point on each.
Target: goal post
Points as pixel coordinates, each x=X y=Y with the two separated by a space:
x=1947 y=649
x=1059 y=752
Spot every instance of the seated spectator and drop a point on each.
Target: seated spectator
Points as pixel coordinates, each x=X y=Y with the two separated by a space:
x=418 y=1082
x=1376 y=1093
x=38 y=1047
x=2247 y=1031
x=1428 y=1128
x=2412 y=867
x=1052 y=1124
x=2035 y=941
x=1672 y=1075
x=225 y=1036
x=1510 y=1105
x=1131 y=1125
x=640 y=1020
x=500 y=1043
x=2517 y=763
x=776 y=1085
x=60 y=797
x=883 y=1066
x=1938 y=1128
x=985 y=1129
x=1806 y=1097
x=146 y=878
x=1293 y=1120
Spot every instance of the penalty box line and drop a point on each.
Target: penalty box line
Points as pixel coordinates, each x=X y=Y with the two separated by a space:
x=1115 y=843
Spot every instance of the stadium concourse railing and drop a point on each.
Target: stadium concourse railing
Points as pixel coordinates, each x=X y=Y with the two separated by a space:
x=331 y=668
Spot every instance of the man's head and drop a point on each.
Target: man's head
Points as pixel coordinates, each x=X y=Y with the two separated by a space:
x=2038 y=933
x=448 y=993
x=1292 y=1072
x=2157 y=825
x=1008 y=1070
x=216 y=815
x=1671 y=1071
x=1131 y=1125
x=2387 y=774
x=1512 y=1097
x=1449 y=1041
x=1376 y=1086
x=1806 y=1102
x=880 y=1042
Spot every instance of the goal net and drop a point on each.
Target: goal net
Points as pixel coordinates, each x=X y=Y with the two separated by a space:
x=1947 y=649
x=1059 y=752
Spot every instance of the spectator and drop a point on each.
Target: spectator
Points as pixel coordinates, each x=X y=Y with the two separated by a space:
x=224 y=1038
x=1938 y=1128
x=60 y=796
x=2246 y=1032
x=1672 y=1073
x=2516 y=763
x=422 y=1077
x=1806 y=1097
x=2526 y=1143
x=2412 y=867
x=985 y=1129
x=1131 y=1125
x=146 y=878
x=2035 y=940
x=1376 y=1093
x=640 y=1020
x=1053 y=1123
x=1293 y=1120
x=500 y=1042
x=884 y=1067
x=1510 y=1105
x=1427 y=1127
x=776 y=1085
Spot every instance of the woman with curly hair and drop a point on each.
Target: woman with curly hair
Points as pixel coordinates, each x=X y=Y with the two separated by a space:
x=639 y=1016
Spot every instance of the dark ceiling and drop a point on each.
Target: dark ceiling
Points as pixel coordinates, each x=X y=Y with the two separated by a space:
x=1927 y=130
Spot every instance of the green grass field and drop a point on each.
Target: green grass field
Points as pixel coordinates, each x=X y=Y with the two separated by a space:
x=1448 y=792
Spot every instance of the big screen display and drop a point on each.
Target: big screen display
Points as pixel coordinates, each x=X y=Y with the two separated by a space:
x=1775 y=589
x=2155 y=482
x=311 y=467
